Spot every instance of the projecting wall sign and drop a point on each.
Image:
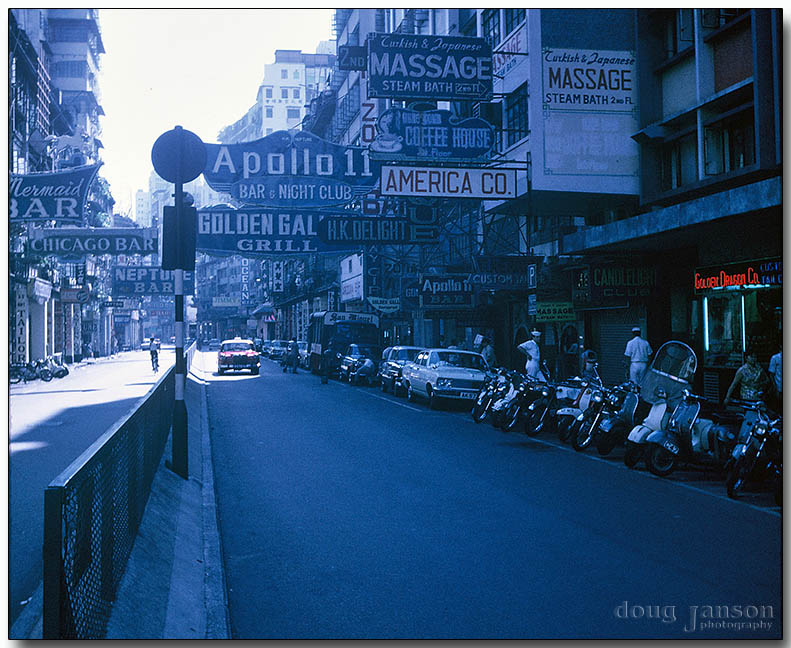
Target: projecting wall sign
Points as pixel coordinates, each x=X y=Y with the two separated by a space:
x=144 y=280
x=409 y=66
x=78 y=241
x=297 y=170
x=58 y=196
x=448 y=182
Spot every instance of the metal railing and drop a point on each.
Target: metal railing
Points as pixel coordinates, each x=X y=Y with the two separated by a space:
x=92 y=512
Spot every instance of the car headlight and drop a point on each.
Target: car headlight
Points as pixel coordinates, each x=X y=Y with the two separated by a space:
x=597 y=397
x=443 y=382
x=759 y=430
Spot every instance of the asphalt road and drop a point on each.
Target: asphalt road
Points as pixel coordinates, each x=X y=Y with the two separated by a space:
x=50 y=425
x=346 y=513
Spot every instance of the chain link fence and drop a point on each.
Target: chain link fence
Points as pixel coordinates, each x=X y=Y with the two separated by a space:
x=92 y=512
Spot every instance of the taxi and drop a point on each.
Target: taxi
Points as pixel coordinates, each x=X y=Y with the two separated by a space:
x=237 y=354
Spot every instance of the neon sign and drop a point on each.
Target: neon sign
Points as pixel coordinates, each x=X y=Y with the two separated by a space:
x=750 y=274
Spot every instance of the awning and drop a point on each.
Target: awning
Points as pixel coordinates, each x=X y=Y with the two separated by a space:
x=263 y=309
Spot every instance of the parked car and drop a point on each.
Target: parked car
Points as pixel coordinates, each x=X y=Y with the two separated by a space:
x=304 y=354
x=278 y=349
x=145 y=345
x=236 y=355
x=214 y=344
x=438 y=374
x=393 y=361
x=358 y=363
x=266 y=348
x=258 y=343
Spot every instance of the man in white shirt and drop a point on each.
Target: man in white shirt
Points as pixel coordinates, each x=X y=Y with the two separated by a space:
x=531 y=350
x=776 y=372
x=637 y=353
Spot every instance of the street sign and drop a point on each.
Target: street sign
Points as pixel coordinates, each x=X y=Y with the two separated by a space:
x=79 y=241
x=295 y=170
x=403 y=132
x=178 y=155
x=409 y=66
x=448 y=182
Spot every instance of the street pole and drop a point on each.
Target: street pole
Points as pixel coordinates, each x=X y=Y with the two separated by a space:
x=180 y=462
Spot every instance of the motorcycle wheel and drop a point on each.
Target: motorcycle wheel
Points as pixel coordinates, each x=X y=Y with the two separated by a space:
x=606 y=444
x=632 y=455
x=45 y=375
x=534 y=424
x=511 y=417
x=14 y=376
x=481 y=409
x=660 y=462
x=565 y=426
x=583 y=434
x=736 y=478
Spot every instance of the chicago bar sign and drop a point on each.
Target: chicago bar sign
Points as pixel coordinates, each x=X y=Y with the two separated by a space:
x=409 y=66
x=78 y=241
x=448 y=182
x=287 y=169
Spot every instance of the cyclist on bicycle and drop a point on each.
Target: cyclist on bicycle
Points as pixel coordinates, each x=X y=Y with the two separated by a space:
x=154 y=350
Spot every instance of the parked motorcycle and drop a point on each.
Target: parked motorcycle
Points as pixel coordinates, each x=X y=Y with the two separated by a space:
x=544 y=413
x=504 y=395
x=758 y=451
x=615 y=426
x=517 y=402
x=689 y=437
x=668 y=375
x=57 y=370
x=493 y=382
x=585 y=429
x=28 y=371
x=568 y=414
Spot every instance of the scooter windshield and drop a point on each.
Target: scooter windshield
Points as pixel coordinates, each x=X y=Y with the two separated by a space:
x=671 y=371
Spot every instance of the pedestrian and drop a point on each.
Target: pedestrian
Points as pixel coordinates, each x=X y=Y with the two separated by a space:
x=487 y=351
x=776 y=373
x=590 y=361
x=750 y=378
x=293 y=355
x=153 y=349
x=531 y=349
x=637 y=354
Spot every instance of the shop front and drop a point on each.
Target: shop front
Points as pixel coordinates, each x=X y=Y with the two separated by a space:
x=740 y=307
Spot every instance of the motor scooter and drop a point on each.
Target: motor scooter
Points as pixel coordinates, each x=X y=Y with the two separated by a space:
x=618 y=421
x=567 y=416
x=669 y=373
x=517 y=405
x=689 y=437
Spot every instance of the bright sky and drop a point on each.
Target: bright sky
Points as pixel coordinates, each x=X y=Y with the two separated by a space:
x=195 y=68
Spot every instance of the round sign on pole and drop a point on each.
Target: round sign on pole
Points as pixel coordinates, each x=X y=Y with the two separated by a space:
x=178 y=150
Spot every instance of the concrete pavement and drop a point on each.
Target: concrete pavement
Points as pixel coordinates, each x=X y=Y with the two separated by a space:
x=173 y=584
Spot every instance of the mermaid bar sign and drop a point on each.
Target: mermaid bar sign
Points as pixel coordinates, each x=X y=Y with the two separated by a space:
x=58 y=196
x=290 y=170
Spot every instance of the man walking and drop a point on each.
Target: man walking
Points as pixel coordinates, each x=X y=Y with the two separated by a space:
x=531 y=349
x=487 y=351
x=637 y=353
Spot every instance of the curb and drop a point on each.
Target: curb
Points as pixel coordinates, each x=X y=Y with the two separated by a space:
x=217 y=613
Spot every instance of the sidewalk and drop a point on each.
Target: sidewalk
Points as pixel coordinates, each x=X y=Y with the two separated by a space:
x=173 y=586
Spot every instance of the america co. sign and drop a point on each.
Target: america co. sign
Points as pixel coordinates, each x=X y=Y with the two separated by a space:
x=407 y=66
x=448 y=182
x=287 y=169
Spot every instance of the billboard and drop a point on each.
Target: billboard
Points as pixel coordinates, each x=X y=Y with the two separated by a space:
x=411 y=66
x=290 y=169
x=352 y=284
x=79 y=241
x=404 y=132
x=448 y=182
x=58 y=196
x=145 y=280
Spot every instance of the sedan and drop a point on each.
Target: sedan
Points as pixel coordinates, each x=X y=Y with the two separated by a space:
x=237 y=354
x=438 y=374
x=392 y=365
x=358 y=362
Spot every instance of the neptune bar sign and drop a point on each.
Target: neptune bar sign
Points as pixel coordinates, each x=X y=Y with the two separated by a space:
x=145 y=280
x=287 y=169
x=406 y=66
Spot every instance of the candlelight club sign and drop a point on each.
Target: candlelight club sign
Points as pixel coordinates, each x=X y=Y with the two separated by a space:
x=75 y=242
x=431 y=133
x=406 y=66
x=58 y=196
x=145 y=280
x=287 y=169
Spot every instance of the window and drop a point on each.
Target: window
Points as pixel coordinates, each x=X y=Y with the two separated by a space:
x=269 y=93
x=512 y=18
x=678 y=31
x=679 y=162
x=269 y=112
x=296 y=93
x=284 y=93
x=296 y=74
x=292 y=113
x=284 y=74
x=71 y=69
x=490 y=25
x=516 y=121
x=730 y=144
